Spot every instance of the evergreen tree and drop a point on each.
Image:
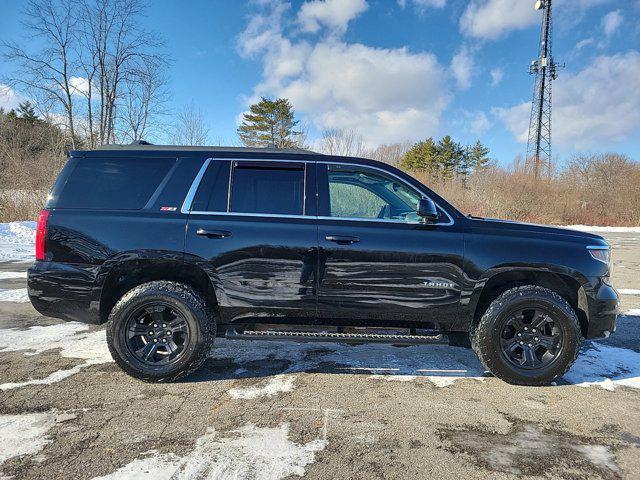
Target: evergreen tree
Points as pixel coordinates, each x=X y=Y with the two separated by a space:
x=445 y=158
x=478 y=158
x=27 y=113
x=421 y=157
x=451 y=158
x=269 y=123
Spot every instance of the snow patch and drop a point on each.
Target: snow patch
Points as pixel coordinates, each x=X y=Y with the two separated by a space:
x=72 y=338
x=26 y=434
x=156 y=466
x=628 y=291
x=606 y=367
x=17 y=295
x=250 y=453
x=441 y=365
x=17 y=240
x=594 y=228
x=273 y=386
x=599 y=455
x=11 y=275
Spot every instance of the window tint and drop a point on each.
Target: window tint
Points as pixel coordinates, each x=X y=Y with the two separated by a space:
x=353 y=201
x=360 y=193
x=273 y=190
x=113 y=183
x=214 y=188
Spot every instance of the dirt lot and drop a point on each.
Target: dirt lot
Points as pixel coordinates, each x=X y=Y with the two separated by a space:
x=274 y=410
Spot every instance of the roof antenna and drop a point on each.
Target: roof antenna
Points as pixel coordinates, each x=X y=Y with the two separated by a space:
x=140 y=142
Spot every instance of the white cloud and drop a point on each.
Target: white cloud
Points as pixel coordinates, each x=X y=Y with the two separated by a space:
x=584 y=43
x=497 y=74
x=596 y=105
x=78 y=85
x=492 y=19
x=516 y=119
x=462 y=68
x=9 y=99
x=387 y=95
x=424 y=3
x=480 y=123
x=611 y=22
x=334 y=14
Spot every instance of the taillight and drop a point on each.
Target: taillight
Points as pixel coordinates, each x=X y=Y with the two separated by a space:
x=41 y=234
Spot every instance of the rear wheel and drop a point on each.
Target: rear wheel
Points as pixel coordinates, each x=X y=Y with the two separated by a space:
x=160 y=331
x=528 y=336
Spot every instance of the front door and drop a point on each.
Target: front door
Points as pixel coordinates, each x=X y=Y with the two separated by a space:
x=378 y=261
x=252 y=224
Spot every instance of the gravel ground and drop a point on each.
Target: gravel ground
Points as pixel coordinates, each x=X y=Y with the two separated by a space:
x=280 y=410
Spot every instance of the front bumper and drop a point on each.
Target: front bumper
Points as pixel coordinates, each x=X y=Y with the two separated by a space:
x=604 y=308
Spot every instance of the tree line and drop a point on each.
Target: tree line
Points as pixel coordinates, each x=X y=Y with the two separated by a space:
x=272 y=123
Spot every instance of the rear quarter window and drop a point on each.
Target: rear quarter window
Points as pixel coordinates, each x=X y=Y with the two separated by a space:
x=112 y=183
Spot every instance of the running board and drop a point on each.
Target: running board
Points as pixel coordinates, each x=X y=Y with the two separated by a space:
x=337 y=337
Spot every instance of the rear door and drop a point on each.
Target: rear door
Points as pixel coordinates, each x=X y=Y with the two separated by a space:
x=378 y=261
x=252 y=224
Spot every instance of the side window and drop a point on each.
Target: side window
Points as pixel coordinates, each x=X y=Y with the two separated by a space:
x=268 y=188
x=113 y=183
x=213 y=191
x=358 y=192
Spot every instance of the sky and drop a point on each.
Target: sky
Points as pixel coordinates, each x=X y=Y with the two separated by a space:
x=400 y=70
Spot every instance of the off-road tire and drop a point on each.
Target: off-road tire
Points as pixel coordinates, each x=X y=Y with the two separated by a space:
x=202 y=326
x=485 y=336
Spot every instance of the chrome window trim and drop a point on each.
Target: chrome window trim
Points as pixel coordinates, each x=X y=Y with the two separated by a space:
x=188 y=200
x=186 y=205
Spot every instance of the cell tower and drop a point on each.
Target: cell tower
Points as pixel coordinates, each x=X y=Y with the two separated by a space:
x=545 y=71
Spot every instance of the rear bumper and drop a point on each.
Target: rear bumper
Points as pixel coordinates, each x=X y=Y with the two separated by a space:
x=604 y=308
x=64 y=291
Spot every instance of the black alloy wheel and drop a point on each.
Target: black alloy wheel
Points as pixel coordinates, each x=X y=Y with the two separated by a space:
x=157 y=334
x=531 y=339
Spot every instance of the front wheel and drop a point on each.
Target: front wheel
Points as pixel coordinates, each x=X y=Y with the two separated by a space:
x=160 y=331
x=529 y=335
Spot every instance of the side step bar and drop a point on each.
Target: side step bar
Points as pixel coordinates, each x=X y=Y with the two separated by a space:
x=337 y=337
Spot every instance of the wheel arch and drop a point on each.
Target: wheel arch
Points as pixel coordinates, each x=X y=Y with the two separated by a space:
x=565 y=285
x=122 y=275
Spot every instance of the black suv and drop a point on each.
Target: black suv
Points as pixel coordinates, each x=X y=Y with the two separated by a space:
x=173 y=246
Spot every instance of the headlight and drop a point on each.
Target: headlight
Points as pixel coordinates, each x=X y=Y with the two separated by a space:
x=600 y=253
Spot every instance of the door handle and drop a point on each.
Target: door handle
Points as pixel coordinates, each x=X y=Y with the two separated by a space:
x=342 y=239
x=213 y=233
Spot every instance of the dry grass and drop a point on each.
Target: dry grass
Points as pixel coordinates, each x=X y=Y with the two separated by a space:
x=591 y=190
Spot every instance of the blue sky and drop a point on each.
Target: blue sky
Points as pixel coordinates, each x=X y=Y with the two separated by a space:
x=398 y=71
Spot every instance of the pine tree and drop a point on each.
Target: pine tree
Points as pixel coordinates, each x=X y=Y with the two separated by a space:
x=478 y=158
x=451 y=158
x=421 y=157
x=269 y=123
x=27 y=113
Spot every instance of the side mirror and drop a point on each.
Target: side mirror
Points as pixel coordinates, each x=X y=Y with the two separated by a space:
x=427 y=210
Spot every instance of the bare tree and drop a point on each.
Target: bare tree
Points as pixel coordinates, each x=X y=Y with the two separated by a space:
x=99 y=68
x=144 y=99
x=117 y=51
x=47 y=73
x=390 y=154
x=346 y=142
x=190 y=127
